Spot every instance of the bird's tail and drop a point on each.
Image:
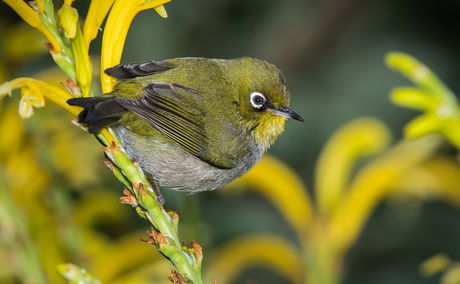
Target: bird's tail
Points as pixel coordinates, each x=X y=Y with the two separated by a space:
x=98 y=112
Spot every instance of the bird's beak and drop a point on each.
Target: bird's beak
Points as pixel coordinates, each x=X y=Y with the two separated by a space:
x=286 y=112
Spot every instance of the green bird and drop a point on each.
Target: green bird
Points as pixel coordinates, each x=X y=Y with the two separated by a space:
x=193 y=124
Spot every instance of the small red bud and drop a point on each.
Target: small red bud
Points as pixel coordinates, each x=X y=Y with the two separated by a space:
x=177 y=278
x=198 y=250
x=128 y=198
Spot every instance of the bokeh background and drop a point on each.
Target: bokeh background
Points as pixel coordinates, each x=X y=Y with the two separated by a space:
x=331 y=52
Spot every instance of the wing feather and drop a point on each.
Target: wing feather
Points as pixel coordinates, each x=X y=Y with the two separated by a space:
x=178 y=113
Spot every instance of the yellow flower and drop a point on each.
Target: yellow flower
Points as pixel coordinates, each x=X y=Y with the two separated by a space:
x=97 y=12
x=116 y=28
x=34 y=92
x=82 y=63
x=361 y=137
x=30 y=99
x=20 y=44
x=68 y=20
x=371 y=185
x=40 y=7
x=239 y=253
x=442 y=113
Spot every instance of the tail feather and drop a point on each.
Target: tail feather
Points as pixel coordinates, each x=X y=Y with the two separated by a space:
x=98 y=111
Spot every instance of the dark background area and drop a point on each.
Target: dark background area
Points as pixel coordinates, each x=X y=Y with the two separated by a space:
x=332 y=53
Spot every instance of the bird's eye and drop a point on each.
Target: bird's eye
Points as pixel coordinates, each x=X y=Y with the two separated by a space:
x=257 y=100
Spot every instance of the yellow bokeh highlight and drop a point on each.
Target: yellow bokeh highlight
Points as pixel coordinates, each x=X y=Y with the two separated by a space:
x=371 y=185
x=278 y=183
x=258 y=249
x=361 y=137
x=32 y=18
x=328 y=230
x=435 y=264
x=436 y=178
x=21 y=43
x=440 y=106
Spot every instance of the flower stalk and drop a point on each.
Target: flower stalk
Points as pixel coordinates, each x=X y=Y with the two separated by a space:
x=142 y=197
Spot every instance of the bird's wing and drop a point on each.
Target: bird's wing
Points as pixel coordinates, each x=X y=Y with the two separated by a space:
x=132 y=70
x=177 y=112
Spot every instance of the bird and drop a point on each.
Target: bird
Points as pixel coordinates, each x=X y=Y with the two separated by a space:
x=193 y=124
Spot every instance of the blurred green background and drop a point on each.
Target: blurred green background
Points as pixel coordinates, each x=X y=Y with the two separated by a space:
x=331 y=52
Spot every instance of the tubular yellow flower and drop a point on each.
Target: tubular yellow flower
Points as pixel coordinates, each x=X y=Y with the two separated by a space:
x=442 y=114
x=437 y=178
x=116 y=29
x=97 y=12
x=41 y=8
x=30 y=99
x=358 y=138
x=39 y=88
x=370 y=186
x=68 y=20
x=419 y=74
x=423 y=125
x=32 y=18
x=414 y=98
x=243 y=252
x=82 y=63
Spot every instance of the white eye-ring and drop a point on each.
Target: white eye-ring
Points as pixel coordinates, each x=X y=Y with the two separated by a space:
x=257 y=100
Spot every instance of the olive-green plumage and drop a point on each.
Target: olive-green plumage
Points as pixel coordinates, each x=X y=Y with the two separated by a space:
x=193 y=123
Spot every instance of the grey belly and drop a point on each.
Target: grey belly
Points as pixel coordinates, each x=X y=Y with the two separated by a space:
x=171 y=166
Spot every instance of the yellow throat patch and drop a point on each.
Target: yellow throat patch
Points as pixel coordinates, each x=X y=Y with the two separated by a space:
x=269 y=128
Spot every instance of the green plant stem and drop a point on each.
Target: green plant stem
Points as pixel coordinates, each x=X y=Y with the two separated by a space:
x=65 y=59
x=160 y=219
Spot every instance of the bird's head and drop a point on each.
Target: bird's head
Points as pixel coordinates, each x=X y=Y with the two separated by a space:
x=263 y=99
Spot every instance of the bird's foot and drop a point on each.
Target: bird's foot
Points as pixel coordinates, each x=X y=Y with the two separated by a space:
x=156 y=190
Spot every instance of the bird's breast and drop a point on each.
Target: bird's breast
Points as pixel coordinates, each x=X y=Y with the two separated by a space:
x=171 y=166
